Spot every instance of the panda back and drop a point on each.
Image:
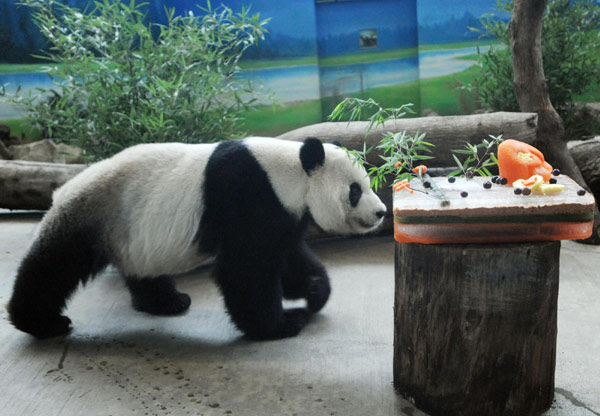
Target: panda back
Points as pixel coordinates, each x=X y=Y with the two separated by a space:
x=147 y=201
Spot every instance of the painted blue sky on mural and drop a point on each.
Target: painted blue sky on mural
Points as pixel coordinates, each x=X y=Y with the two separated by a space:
x=338 y=25
x=340 y=18
x=436 y=11
x=295 y=25
x=298 y=19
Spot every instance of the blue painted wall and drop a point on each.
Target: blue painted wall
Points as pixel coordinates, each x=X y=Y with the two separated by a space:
x=319 y=43
x=338 y=25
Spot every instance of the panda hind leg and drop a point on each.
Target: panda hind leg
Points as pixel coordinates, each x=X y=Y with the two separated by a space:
x=63 y=255
x=157 y=295
x=306 y=277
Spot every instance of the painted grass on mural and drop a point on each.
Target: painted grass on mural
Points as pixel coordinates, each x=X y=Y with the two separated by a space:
x=358 y=58
x=472 y=57
x=278 y=63
x=444 y=96
x=22 y=68
x=362 y=58
x=438 y=94
x=458 y=45
x=21 y=127
x=272 y=121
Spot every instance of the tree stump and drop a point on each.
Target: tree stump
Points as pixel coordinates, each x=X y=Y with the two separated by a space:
x=475 y=327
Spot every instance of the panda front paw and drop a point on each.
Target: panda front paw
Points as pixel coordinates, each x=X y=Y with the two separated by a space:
x=294 y=320
x=318 y=293
x=292 y=323
x=175 y=304
x=157 y=296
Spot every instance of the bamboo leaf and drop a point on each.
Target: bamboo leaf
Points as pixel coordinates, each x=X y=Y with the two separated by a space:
x=458 y=162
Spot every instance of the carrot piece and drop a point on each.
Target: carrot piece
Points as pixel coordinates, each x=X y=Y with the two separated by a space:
x=404 y=184
x=421 y=169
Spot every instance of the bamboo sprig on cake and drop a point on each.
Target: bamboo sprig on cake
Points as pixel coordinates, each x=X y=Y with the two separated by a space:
x=403 y=154
x=477 y=158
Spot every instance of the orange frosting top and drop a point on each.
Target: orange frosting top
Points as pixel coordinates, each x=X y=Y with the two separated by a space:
x=518 y=160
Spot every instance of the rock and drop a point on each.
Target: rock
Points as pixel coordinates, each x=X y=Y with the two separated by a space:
x=47 y=151
x=4 y=152
x=428 y=112
x=593 y=108
x=5 y=136
x=4 y=133
x=40 y=151
x=68 y=154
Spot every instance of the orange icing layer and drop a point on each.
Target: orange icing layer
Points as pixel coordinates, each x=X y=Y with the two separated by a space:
x=490 y=233
x=518 y=160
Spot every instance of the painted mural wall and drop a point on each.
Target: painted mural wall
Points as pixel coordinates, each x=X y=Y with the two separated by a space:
x=316 y=53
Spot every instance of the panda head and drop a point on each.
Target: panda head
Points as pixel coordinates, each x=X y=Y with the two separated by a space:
x=339 y=195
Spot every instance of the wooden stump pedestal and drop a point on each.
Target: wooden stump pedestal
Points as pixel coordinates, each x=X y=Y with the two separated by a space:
x=475 y=327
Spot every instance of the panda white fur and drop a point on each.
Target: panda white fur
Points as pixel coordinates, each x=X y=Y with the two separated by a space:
x=156 y=210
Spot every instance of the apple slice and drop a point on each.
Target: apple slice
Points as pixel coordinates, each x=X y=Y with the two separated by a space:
x=551 y=189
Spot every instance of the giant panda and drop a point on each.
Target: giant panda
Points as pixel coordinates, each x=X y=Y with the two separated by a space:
x=157 y=210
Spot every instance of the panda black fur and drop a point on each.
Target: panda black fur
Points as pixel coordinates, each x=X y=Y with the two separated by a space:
x=162 y=209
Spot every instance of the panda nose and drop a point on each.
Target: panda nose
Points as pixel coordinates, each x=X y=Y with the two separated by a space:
x=380 y=214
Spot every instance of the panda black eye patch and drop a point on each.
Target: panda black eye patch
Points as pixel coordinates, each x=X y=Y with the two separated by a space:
x=355 y=194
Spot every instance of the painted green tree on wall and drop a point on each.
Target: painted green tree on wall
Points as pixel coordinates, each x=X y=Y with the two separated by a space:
x=120 y=81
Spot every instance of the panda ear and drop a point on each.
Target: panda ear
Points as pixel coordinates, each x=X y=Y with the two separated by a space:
x=336 y=143
x=312 y=154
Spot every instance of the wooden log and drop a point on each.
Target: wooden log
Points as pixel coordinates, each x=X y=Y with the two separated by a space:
x=29 y=185
x=475 y=327
x=447 y=133
x=21 y=189
x=587 y=156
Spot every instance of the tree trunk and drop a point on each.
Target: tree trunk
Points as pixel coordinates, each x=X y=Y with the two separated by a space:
x=531 y=90
x=29 y=185
x=475 y=327
x=447 y=133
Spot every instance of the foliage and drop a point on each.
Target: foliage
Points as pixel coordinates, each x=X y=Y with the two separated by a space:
x=570 y=44
x=481 y=155
x=122 y=81
x=400 y=152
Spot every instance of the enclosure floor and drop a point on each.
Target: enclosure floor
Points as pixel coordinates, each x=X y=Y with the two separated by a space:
x=121 y=362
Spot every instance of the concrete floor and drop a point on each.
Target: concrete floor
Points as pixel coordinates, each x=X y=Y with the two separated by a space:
x=121 y=362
